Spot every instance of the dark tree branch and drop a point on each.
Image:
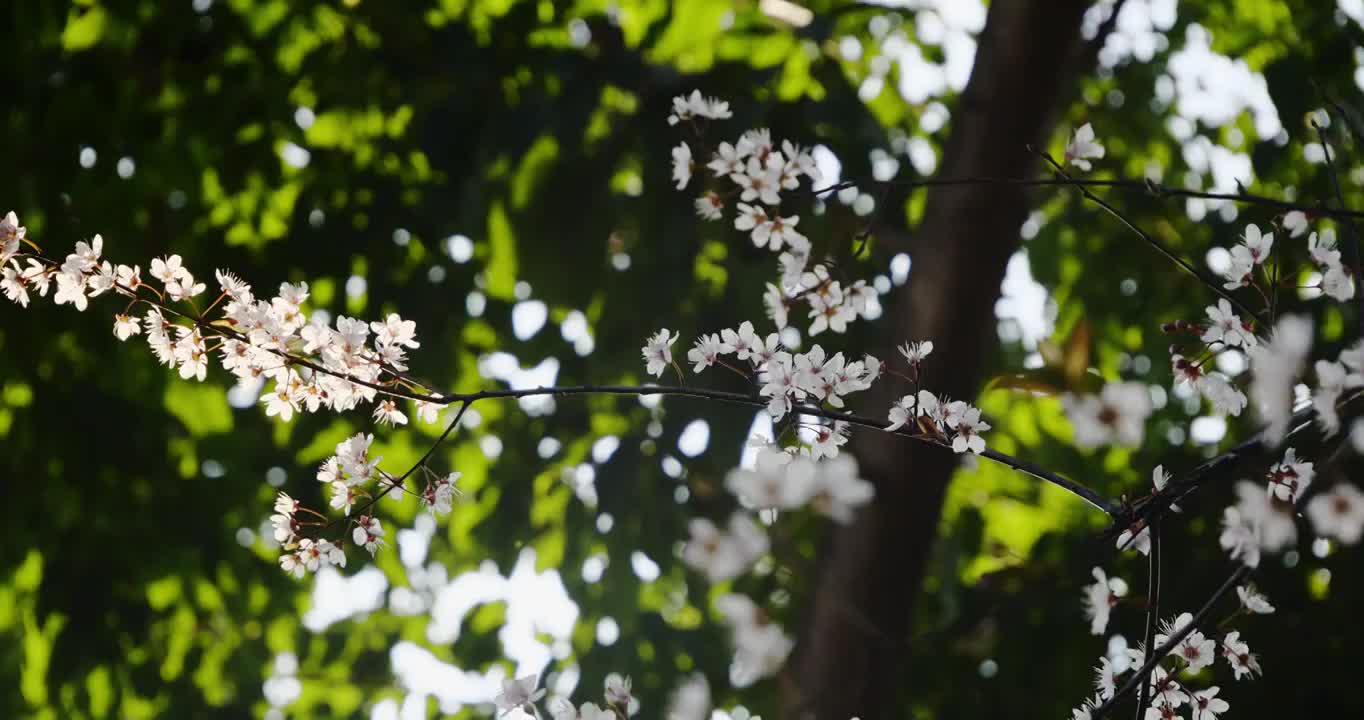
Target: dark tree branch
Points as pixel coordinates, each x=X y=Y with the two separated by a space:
x=1153 y=657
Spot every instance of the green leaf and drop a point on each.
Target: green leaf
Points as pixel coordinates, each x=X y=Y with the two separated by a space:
x=83 y=30
x=501 y=268
x=202 y=408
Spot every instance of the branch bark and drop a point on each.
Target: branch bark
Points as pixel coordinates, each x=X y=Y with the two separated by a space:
x=872 y=569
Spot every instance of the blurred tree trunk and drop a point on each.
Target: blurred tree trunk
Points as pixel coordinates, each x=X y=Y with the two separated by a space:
x=850 y=660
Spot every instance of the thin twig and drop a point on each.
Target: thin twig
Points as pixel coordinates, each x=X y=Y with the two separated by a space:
x=1145 y=186
x=1107 y=505
x=1147 y=237
x=1351 y=238
x=1152 y=607
x=398 y=481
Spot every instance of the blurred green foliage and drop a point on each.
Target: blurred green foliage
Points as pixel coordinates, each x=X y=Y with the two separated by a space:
x=124 y=591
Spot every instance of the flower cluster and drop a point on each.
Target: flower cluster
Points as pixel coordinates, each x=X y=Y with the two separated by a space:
x=813 y=376
x=780 y=479
x=1335 y=279
x=954 y=422
x=304 y=555
x=951 y=422
x=759 y=172
x=1277 y=366
x=753 y=172
x=1246 y=256
x=523 y=693
x=688 y=107
x=314 y=365
x=1264 y=521
x=787 y=379
x=1278 y=361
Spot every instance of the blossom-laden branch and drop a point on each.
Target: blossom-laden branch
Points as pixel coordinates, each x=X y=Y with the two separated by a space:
x=1168 y=691
x=316 y=365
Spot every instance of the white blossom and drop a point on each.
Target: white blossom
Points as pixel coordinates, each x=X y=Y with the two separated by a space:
x=1206 y=705
x=1253 y=600
x=759 y=181
x=776 y=480
x=724 y=555
x=1295 y=223
x=709 y=206
x=686 y=107
x=760 y=645
x=691 y=700
x=1226 y=398
x=1099 y=602
x=1165 y=690
x=1241 y=268
x=967 y=429
x=1289 y=478
x=915 y=352
x=1338 y=513
x=1226 y=327
x=368 y=533
x=387 y=412
x=839 y=491
x=1331 y=382
x=1276 y=365
x=1197 y=650
x=1139 y=540
x=1259 y=244
x=682 y=165
x=518 y=693
x=126 y=326
x=828 y=439
x=774 y=302
x=781 y=387
x=726 y=161
x=1082 y=147
x=618 y=691
x=1337 y=284
x=901 y=413
x=707 y=350
x=1240 y=537
x=440 y=493
x=657 y=351
x=1243 y=662
x=1117 y=415
x=1104 y=682
x=11 y=236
